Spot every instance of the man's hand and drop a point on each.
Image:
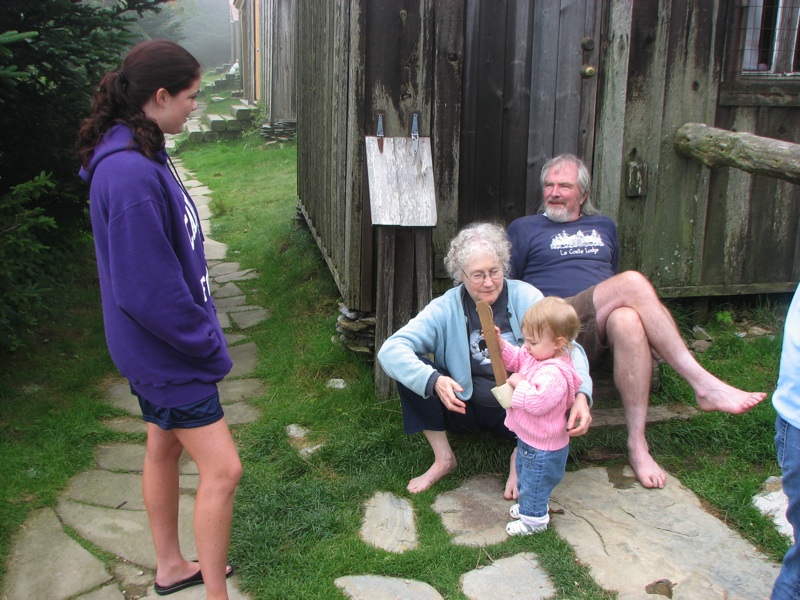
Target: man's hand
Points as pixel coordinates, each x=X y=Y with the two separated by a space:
x=446 y=389
x=579 y=416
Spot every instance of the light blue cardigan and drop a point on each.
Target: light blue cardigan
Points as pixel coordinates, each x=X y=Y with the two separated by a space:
x=440 y=329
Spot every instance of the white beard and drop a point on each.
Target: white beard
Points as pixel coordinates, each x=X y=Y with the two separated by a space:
x=558 y=214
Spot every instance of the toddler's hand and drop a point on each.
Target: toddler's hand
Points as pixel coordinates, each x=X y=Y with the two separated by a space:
x=500 y=341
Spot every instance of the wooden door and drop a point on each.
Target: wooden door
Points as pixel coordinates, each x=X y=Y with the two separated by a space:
x=530 y=87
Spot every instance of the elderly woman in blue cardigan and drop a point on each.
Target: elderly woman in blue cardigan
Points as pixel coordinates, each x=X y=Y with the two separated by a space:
x=452 y=392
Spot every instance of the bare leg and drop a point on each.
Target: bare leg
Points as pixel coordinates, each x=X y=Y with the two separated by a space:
x=444 y=462
x=512 y=489
x=633 y=367
x=160 y=491
x=213 y=450
x=632 y=290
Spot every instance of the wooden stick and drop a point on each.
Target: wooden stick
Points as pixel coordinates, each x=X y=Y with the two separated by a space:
x=490 y=335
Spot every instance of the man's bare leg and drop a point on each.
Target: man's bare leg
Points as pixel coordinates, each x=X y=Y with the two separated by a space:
x=444 y=462
x=512 y=489
x=633 y=368
x=631 y=289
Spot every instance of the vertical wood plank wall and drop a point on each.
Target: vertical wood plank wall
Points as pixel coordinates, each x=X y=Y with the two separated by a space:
x=481 y=76
x=696 y=231
x=278 y=82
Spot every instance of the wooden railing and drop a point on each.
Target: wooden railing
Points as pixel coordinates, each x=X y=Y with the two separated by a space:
x=752 y=153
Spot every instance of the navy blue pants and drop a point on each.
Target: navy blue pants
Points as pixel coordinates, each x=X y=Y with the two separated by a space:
x=429 y=413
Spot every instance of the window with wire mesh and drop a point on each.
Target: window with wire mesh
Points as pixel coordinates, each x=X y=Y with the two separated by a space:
x=770 y=42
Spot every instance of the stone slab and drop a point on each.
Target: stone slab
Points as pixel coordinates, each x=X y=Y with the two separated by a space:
x=126 y=425
x=773 y=502
x=198 y=592
x=242 y=308
x=389 y=523
x=125 y=533
x=107 y=592
x=237 y=276
x=214 y=250
x=224 y=268
x=229 y=301
x=202 y=190
x=203 y=211
x=376 y=587
x=104 y=488
x=224 y=320
x=228 y=290
x=249 y=318
x=234 y=338
x=244 y=359
x=239 y=413
x=237 y=390
x=607 y=417
x=475 y=513
x=120 y=457
x=631 y=537
x=518 y=576
x=119 y=394
x=46 y=563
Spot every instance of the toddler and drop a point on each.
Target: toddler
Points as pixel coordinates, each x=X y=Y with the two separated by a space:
x=544 y=383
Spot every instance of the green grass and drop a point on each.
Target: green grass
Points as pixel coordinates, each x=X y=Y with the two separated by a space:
x=50 y=404
x=296 y=523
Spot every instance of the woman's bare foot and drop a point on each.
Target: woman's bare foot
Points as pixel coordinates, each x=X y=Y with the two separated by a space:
x=649 y=474
x=438 y=469
x=512 y=489
x=725 y=398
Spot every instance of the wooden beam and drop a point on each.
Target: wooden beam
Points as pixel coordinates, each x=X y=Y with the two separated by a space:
x=752 y=153
x=742 y=289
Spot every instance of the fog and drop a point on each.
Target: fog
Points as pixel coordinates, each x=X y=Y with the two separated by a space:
x=207 y=31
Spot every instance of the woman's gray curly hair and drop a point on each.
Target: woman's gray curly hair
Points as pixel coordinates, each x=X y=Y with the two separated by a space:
x=477 y=240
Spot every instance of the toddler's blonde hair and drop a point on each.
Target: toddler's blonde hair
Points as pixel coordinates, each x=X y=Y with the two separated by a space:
x=552 y=315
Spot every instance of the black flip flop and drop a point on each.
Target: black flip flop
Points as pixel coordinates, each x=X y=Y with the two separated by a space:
x=195 y=579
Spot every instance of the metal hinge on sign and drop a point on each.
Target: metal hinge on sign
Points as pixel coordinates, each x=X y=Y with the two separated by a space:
x=415 y=134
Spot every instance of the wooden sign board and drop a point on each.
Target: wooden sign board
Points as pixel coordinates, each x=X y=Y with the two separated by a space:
x=401 y=187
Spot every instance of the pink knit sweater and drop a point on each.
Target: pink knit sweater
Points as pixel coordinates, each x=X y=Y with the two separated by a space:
x=538 y=411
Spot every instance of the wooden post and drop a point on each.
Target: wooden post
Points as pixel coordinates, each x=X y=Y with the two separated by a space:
x=403 y=210
x=752 y=153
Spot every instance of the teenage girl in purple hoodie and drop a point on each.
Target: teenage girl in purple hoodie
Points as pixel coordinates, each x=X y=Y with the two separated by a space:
x=161 y=324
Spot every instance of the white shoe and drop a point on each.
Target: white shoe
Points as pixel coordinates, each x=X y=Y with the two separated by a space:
x=520 y=528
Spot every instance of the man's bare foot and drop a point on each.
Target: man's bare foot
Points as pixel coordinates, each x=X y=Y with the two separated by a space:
x=512 y=488
x=726 y=398
x=649 y=474
x=438 y=469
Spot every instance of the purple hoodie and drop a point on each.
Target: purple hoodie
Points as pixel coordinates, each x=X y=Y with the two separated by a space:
x=161 y=323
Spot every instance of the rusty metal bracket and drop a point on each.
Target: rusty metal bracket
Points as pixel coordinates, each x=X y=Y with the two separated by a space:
x=415 y=133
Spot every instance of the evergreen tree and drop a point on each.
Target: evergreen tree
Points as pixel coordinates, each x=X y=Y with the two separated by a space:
x=52 y=54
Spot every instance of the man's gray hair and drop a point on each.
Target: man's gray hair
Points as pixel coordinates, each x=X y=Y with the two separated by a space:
x=584 y=179
x=477 y=240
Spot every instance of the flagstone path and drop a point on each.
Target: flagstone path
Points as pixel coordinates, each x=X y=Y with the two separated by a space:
x=635 y=541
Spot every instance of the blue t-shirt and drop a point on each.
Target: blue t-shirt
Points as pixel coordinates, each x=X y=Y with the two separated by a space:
x=563 y=259
x=786 y=398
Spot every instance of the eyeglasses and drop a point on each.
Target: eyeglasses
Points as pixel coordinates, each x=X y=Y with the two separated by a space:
x=478 y=277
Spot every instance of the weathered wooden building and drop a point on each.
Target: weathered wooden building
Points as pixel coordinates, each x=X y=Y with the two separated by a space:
x=499 y=86
x=268 y=37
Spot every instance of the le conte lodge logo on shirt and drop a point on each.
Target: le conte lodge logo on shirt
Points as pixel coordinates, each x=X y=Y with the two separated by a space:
x=577 y=243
